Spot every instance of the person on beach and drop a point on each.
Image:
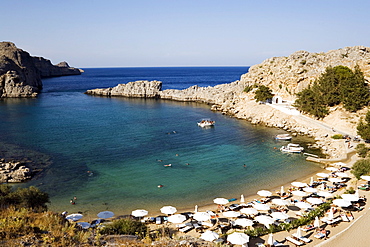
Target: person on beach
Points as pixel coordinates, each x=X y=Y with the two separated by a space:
x=72 y=202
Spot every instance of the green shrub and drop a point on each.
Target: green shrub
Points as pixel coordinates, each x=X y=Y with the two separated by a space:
x=337 y=136
x=263 y=93
x=125 y=227
x=361 y=167
x=338 y=85
x=30 y=197
x=362 y=150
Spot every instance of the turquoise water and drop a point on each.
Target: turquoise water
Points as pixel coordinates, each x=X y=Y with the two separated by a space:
x=110 y=152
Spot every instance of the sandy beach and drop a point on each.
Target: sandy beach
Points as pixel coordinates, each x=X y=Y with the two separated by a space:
x=343 y=234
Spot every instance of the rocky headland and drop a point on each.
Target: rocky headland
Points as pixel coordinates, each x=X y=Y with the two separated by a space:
x=20 y=73
x=286 y=76
x=13 y=172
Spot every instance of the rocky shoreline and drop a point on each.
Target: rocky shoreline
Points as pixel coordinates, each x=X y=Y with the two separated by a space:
x=285 y=76
x=14 y=172
x=231 y=100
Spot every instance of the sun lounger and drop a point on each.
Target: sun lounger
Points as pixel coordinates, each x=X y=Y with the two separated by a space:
x=344 y=218
x=308 y=228
x=304 y=239
x=320 y=234
x=158 y=220
x=186 y=229
x=296 y=242
x=205 y=223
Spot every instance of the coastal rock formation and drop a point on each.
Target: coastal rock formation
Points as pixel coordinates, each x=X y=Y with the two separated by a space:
x=13 y=172
x=20 y=73
x=136 y=89
x=47 y=69
x=287 y=76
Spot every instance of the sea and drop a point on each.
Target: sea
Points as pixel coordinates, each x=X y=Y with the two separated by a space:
x=113 y=153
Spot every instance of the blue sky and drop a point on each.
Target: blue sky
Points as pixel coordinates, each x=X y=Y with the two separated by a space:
x=140 y=33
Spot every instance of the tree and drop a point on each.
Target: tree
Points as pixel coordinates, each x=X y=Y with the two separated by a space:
x=361 y=167
x=263 y=93
x=363 y=128
x=337 y=85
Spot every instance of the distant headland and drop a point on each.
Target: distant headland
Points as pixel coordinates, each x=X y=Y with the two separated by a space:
x=21 y=73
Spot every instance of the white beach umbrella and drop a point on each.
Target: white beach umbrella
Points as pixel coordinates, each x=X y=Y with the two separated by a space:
x=244 y=222
x=342 y=174
x=282 y=192
x=325 y=194
x=279 y=202
x=202 y=216
x=196 y=209
x=310 y=189
x=303 y=205
x=316 y=223
x=242 y=199
x=238 y=238
x=350 y=197
x=231 y=214
x=177 y=218
x=105 y=214
x=270 y=240
x=209 y=236
x=84 y=225
x=299 y=184
x=139 y=213
x=332 y=169
x=221 y=201
x=335 y=180
x=299 y=193
x=262 y=207
x=314 y=200
x=264 y=193
x=311 y=181
x=341 y=203
x=265 y=220
x=323 y=175
x=365 y=177
x=298 y=234
x=74 y=217
x=279 y=216
x=249 y=211
x=168 y=210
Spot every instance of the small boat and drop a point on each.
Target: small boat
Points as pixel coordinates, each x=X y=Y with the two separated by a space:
x=292 y=148
x=206 y=123
x=283 y=137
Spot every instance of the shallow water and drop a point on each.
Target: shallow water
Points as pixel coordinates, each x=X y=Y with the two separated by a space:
x=110 y=152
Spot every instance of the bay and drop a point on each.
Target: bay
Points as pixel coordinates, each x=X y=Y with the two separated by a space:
x=111 y=152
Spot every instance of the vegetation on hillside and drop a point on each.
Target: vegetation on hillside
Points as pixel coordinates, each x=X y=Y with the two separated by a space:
x=363 y=127
x=362 y=150
x=31 y=198
x=361 y=167
x=338 y=85
x=263 y=93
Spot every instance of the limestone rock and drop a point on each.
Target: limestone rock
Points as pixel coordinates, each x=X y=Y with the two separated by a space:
x=136 y=89
x=287 y=76
x=13 y=172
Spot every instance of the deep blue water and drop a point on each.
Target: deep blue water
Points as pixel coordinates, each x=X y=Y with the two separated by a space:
x=111 y=152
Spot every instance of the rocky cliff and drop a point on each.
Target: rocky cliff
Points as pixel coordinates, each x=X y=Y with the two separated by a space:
x=47 y=69
x=287 y=76
x=20 y=73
